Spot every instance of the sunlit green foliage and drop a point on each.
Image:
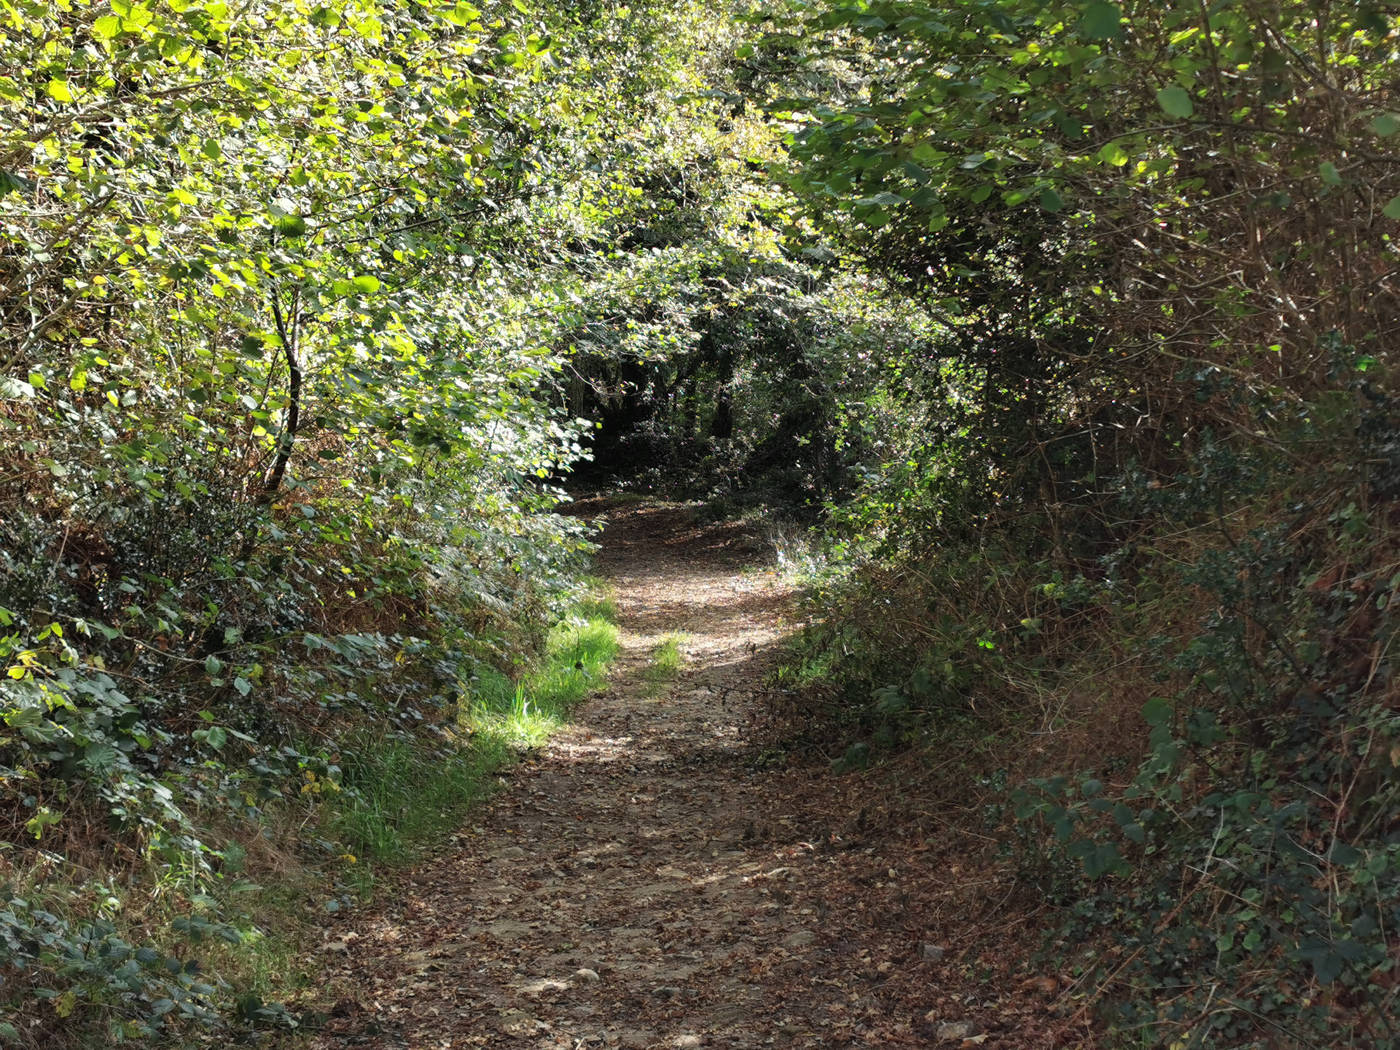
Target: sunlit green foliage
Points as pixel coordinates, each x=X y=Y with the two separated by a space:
x=282 y=284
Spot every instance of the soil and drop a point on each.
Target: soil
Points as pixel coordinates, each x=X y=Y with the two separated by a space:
x=660 y=875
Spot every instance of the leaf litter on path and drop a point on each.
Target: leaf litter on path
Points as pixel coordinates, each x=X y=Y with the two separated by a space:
x=643 y=882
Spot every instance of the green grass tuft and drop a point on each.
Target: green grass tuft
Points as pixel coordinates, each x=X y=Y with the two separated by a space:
x=396 y=794
x=667 y=662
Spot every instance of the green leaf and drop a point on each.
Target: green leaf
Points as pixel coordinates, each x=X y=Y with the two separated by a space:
x=1050 y=200
x=1113 y=154
x=100 y=756
x=1102 y=21
x=1392 y=210
x=107 y=27
x=243 y=686
x=1385 y=124
x=291 y=225
x=16 y=390
x=462 y=15
x=1327 y=966
x=10 y=183
x=1099 y=859
x=1175 y=101
x=367 y=283
x=58 y=90
x=1329 y=173
x=1157 y=712
x=1346 y=856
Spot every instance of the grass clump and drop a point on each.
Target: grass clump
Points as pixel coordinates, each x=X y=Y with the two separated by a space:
x=518 y=715
x=667 y=662
x=402 y=794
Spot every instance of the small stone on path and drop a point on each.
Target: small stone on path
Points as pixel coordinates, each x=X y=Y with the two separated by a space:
x=800 y=939
x=955 y=1031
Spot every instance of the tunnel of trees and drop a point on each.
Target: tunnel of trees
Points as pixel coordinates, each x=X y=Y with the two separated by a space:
x=1066 y=327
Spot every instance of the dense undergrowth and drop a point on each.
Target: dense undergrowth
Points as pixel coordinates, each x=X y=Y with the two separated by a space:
x=1190 y=754
x=1126 y=574
x=109 y=949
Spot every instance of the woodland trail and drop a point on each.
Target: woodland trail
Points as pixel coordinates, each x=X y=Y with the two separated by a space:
x=643 y=882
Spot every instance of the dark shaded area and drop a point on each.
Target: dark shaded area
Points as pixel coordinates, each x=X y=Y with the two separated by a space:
x=748 y=407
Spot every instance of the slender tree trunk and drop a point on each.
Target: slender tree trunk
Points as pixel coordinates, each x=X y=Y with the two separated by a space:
x=288 y=437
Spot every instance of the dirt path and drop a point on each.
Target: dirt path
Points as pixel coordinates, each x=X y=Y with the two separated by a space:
x=642 y=883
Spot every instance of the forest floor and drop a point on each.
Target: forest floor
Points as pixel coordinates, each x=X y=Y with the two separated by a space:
x=656 y=877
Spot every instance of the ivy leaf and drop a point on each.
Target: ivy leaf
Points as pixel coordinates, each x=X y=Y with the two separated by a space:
x=1157 y=712
x=1175 y=101
x=1103 y=21
x=243 y=686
